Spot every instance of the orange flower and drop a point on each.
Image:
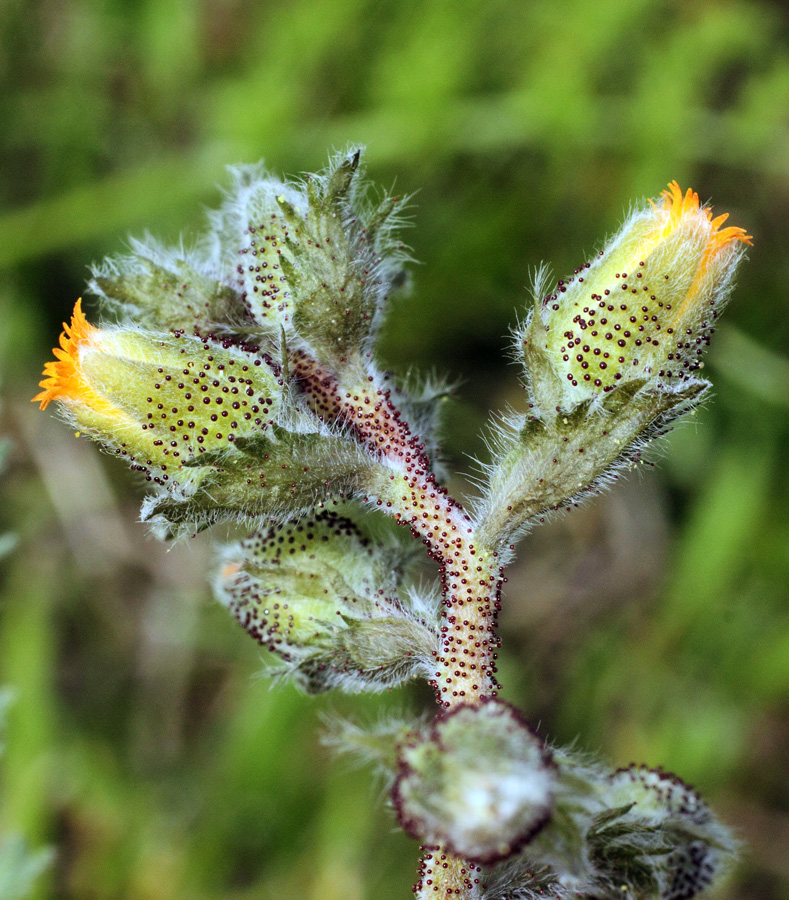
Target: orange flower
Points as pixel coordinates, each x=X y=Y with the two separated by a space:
x=64 y=379
x=684 y=208
x=678 y=206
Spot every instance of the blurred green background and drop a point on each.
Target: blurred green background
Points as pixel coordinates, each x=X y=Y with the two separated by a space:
x=652 y=625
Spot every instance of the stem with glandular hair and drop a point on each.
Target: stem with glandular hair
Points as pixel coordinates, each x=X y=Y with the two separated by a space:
x=471 y=578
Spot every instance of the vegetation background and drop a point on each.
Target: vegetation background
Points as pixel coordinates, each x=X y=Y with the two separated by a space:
x=652 y=625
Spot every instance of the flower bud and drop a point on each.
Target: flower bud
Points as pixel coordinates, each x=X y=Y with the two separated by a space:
x=315 y=259
x=480 y=783
x=209 y=424
x=159 y=400
x=691 y=849
x=323 y=599
x=246 y=243
x=611 y=358
x=643 y=309
x=641 y=830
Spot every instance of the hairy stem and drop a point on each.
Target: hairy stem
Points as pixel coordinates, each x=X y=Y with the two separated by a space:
x=471 y=578
x=443 y=875
x=470 y=574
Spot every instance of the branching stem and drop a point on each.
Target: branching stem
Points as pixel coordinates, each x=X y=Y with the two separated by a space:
x=471 y=578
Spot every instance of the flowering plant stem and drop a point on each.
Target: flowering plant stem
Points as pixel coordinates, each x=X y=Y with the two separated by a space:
x=470 y=576
x=241 y=382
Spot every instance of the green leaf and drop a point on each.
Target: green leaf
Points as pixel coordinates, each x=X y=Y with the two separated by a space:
x=544 y=463
x=165 y=298
x=278 y=477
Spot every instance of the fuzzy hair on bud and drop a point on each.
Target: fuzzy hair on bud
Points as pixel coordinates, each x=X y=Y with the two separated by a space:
x=643 y=309
x=478 y=781
x=375 y=743
x=544 y=464
x=633 y=833
x=324 y=600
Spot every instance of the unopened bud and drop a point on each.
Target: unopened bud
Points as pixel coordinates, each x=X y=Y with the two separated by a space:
x=323 y=599
x=644 y=309
x=248 y=243
x=641 y=829
x=315 y=258
x=669 y=826
x=480 y=783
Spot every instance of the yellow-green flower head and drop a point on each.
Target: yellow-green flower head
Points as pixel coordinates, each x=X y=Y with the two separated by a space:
x=160 y=400
x=645 y=307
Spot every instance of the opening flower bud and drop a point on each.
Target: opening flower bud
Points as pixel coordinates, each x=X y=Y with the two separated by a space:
x=643 y=309
x=159 y=400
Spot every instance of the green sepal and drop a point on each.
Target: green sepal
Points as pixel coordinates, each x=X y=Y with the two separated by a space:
x=220 y=458
x=368 y=654
x=174 y=298
x=340 y=180
x=386 y=641
x=545 y=462
x=544 y=385
x=338 y=261
x=275 y=446
x=277 y=477
x=332 y=306
x=606 y=819
x=380 y=219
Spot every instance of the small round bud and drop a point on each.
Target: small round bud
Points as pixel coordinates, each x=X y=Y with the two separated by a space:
x=479 y=782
